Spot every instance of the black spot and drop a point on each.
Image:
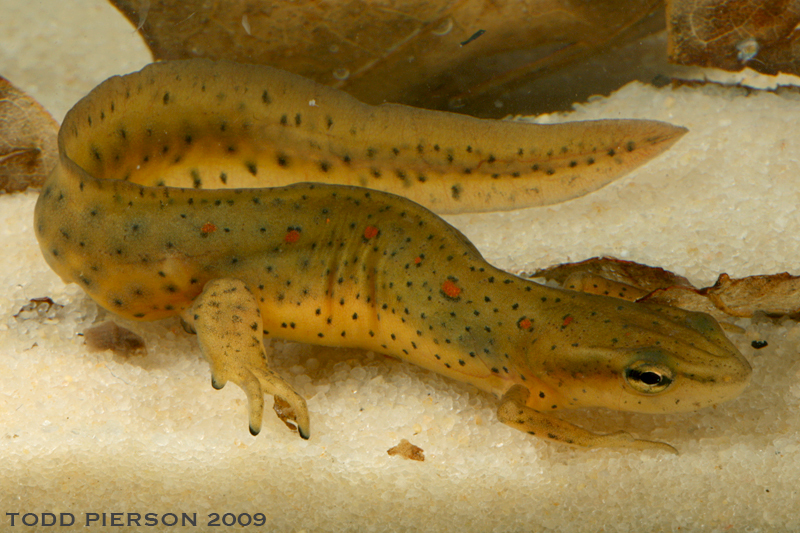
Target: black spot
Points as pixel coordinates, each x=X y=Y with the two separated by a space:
x=455 y=191
x=265 y=97
x=298 y=119
x=282 y=160
x=166 y=98
x=324 y=166
x=223 y=178
x=252 y=168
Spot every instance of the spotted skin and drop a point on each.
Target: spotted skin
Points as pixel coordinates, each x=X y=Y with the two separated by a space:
x=341 y=265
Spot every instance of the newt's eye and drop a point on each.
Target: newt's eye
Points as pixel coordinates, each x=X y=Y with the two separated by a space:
x=648 y=378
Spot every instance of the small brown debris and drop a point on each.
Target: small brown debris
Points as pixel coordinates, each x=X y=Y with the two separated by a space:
x=285 y=412
x=110 y=336
x=43 y=307
x=406 y=450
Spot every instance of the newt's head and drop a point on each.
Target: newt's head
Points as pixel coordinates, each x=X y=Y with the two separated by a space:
x=638 y=357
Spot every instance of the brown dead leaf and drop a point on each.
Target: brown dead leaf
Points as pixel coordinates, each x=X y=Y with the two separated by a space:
x=638 y=277
x=27 y=140
x=774 y=295
x=687 y=298
x=731 y=35
x=464 y=55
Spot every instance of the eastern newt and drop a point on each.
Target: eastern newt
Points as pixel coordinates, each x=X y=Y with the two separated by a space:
x=159 y=207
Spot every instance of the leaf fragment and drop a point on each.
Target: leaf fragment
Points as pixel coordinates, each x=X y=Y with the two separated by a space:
x=469 y=56
x=28 y=134
x=774 y=294
x=732 y=35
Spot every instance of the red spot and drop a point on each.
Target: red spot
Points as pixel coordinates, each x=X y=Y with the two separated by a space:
x=450 y=289
x=207 y=228
x=292 y=236
x=567 y=320
x=417 y=260
x=525 y=323
x=370 y=232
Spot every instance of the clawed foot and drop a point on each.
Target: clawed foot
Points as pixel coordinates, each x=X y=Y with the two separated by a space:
x=228 y=324
x=514 y=412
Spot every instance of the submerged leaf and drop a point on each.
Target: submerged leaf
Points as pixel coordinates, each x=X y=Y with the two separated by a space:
x=640 y=277
x=471 y=56
x=774 y=295
x=27 y=140
x=732 y=35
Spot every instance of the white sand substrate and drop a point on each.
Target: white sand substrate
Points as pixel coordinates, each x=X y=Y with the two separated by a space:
x=95 y=433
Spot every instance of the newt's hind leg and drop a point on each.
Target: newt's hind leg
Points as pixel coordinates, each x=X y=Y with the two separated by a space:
x=228 y=324
x=514 y=412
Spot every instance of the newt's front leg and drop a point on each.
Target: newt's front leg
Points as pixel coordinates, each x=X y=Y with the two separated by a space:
x=229 y=328
x=514 y=412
